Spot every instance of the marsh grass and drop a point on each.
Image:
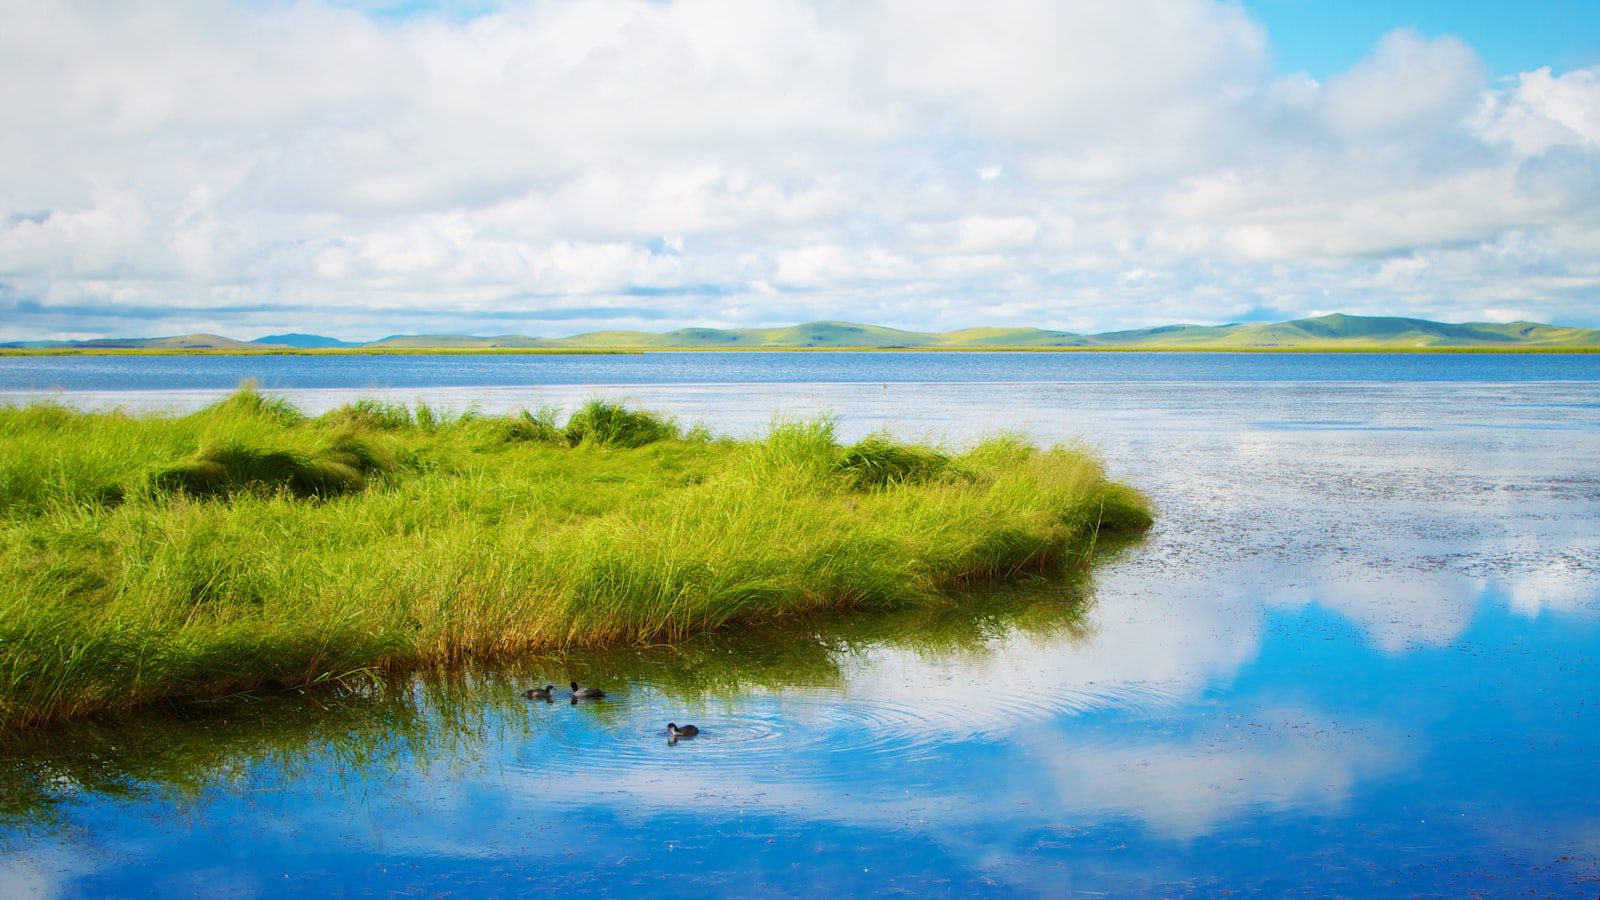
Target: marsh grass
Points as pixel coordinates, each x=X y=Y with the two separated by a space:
x=386 y=725
x=609 y=425
x=880 y=461
x=341 y=465
x=248 y=546
x=537 y=426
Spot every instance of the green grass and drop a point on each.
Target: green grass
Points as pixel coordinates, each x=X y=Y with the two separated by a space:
x=145 y=558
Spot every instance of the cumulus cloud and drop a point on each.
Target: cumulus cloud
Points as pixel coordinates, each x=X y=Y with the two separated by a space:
x=259 y=166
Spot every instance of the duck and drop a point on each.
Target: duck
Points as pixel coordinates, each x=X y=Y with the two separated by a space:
x=588 y=693
x=685 y=731
x=539 y=693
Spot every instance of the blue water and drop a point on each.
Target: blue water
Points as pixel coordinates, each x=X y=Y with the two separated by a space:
x=1358 y=655
x=187 y=373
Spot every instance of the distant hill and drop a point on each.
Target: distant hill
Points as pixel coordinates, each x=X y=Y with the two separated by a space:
x=1331 y=331
x=175 y=342
x=303 y=341
x=822 y=334
x=1013 y=337
x=1323 y=331
x=453 y=342
x=811 y=334
x=1336 y=329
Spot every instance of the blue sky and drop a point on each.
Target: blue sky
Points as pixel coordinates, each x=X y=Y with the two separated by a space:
x=367 y=167
x=1323 y=37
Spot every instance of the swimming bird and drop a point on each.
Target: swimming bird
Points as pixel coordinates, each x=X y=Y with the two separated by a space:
x=539 y=693
x=685 y=731
x=588 y=693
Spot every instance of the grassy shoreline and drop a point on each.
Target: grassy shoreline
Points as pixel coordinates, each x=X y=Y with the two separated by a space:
x=145 y=558
x=416 y=720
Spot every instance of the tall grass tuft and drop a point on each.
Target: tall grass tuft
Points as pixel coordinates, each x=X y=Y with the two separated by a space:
x=369 y=415
x=801 y=451
x=608 y=424
x=250 y=402
x=151 y=557
x=879 y=461
x=341 y=467
x=534 y=426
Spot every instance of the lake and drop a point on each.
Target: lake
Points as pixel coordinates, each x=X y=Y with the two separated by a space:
x=1359 y=653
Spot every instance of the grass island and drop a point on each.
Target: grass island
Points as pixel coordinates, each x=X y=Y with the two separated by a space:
x=245 y=546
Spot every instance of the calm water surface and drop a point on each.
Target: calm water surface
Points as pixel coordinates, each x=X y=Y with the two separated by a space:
x=1360 y=652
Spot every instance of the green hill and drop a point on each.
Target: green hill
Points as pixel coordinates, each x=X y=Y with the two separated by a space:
x=1337 y=329
x=843 y=334
x=1170 y=335
x=683 y=337
x=176 y=342
x=811 y=334
x=1012 y=337
x=452 y=342
x=1333 y=332
x=302 y=341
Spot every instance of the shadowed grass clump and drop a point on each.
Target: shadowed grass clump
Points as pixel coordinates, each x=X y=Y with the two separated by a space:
x=879 y=461
x=375 y=415
x=254 y=547
x=613 y=425
x=341 y=467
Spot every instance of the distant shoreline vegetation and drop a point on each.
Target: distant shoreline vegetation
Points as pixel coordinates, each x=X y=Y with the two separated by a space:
x=641 y=351
x=299 y=351
x=1336 y=333
x=248 y=546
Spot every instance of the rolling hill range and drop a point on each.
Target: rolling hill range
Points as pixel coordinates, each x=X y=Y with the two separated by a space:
x=176 y=342
x=1335 y=331
x=1384 y=331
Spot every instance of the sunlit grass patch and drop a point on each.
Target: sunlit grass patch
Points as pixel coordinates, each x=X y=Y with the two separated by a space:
x=151 y=557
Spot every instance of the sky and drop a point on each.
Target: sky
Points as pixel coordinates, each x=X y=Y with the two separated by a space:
x=547 y=167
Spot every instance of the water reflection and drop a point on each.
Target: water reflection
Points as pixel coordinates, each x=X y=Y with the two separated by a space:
x=190 y=754
x=1358 y=650
x=999 y=742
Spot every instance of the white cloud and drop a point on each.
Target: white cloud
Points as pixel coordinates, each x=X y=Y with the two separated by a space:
x=1406 y=82
x=1544 y=111
x=911 y=162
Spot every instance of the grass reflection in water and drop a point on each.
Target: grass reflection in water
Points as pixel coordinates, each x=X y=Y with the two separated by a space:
x=360 y=737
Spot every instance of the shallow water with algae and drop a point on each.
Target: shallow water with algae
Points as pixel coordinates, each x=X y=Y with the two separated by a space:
x=1357 y=653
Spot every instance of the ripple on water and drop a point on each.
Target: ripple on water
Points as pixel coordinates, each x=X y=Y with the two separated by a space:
x=807 y=736
x=779 y=729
